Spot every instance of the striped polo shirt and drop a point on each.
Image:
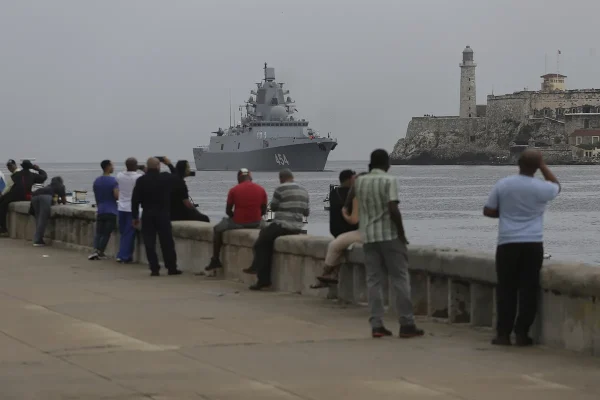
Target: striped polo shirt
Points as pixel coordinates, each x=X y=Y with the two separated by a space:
x=290 y=204
x=374 y=191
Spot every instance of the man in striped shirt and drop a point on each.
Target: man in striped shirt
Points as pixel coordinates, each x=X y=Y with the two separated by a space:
x=386 y=255
x=290 y=204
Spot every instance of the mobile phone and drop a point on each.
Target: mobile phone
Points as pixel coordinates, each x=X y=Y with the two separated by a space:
x=161 y=158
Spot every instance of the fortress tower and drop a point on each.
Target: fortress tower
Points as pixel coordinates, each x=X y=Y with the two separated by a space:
x=468 y=101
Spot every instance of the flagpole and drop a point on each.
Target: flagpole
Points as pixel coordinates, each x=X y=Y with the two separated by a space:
x=545 y=63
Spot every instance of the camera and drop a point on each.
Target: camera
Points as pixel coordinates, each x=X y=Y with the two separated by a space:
x=192 y=173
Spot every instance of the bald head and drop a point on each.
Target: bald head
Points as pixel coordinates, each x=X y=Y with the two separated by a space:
x=529 y=162
x=285 y=175
x=153 y=164
x=131 y=164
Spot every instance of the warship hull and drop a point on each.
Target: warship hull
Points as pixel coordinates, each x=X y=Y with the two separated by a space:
x=297 y=157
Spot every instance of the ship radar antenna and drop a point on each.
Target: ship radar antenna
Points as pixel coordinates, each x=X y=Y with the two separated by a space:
x=265 y=72
x=230 y=108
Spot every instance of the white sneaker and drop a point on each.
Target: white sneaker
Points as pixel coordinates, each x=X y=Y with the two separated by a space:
x=94 y=256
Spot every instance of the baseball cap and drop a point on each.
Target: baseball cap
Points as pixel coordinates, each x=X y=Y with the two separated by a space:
x=11 y=162
x=243 y=171
x=26 y=164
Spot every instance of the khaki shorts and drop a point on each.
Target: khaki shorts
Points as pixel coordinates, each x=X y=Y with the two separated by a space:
x=227 y=224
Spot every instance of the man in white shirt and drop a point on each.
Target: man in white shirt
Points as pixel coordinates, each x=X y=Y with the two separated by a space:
x=519 y=202
x=126 y=181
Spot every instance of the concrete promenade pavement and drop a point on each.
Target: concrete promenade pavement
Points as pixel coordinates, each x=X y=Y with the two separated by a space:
x=75 y=329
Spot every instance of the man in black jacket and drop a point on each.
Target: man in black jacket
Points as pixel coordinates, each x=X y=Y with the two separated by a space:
x=23 y=181
x=153 y=192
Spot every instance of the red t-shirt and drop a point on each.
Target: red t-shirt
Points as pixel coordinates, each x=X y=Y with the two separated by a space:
x=247 y=199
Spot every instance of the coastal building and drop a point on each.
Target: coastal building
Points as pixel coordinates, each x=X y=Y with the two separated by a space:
x=504 y=126
x=553 y=82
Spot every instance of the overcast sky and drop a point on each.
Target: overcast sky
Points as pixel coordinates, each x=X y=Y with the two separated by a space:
x=86 y=80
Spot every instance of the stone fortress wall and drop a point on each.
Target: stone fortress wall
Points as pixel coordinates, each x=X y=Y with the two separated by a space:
x=544 y=118
x=450 y=285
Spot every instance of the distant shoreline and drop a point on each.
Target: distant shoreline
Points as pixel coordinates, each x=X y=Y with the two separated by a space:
x=478 y=163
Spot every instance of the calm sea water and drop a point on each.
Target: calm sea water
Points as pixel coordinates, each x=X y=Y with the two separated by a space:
x=441 y=205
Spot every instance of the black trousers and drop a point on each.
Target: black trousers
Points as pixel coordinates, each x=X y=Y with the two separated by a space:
x=4 y=202
x=263 y=250
x=105 y=226
x=153 y=225
x=190 y=214
x=518 y=268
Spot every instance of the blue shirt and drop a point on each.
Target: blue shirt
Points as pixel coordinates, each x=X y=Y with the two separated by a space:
x=104 y=187
x=521 y=201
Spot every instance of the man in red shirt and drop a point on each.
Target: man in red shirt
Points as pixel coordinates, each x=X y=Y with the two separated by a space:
x=246 y=204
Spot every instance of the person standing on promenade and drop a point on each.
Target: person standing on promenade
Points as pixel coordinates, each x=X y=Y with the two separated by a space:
x=246 y=204
x=345 y=234
x=106 y=192
x=41 y=202
x=519 y=201
x=153 y=193
x=290 y=204
x=386 y=254
x=20 y=190
x=126 y=182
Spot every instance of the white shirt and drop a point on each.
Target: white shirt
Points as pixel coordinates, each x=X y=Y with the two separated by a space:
x=126 y=181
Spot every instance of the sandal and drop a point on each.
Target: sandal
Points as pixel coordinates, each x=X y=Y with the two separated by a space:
x=330 y=275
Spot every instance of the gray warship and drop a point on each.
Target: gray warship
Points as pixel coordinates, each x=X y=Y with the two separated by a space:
x=268 y=137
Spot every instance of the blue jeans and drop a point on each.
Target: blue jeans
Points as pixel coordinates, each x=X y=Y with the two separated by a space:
x=127 y=232
x=105 y=225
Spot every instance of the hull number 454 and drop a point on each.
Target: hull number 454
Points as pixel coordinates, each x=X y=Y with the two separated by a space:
x=281 y=159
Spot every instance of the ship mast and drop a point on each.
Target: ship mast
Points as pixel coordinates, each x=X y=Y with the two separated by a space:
x=265 y=72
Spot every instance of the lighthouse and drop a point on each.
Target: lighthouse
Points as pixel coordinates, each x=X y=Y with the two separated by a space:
x=468 y=98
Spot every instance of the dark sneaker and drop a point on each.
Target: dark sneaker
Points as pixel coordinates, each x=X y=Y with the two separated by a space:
x=94 y=256
x=523 y=341
x=154 y=273
x=40 y=244
x=410 y=331
x=501 y=340
x=175 y=272
x=249 y=270
x=380 y=332
x=4 y=233
x=260 y=286
x=214 y=264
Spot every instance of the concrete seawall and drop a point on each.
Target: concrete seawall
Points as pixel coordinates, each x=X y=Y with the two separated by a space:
x=449 y=285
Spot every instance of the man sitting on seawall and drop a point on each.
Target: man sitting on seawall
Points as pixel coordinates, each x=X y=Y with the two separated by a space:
x=290 y=204
x=345 y=234
x=246 y=204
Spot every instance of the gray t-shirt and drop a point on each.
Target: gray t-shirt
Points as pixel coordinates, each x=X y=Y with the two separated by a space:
x=291 y=204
